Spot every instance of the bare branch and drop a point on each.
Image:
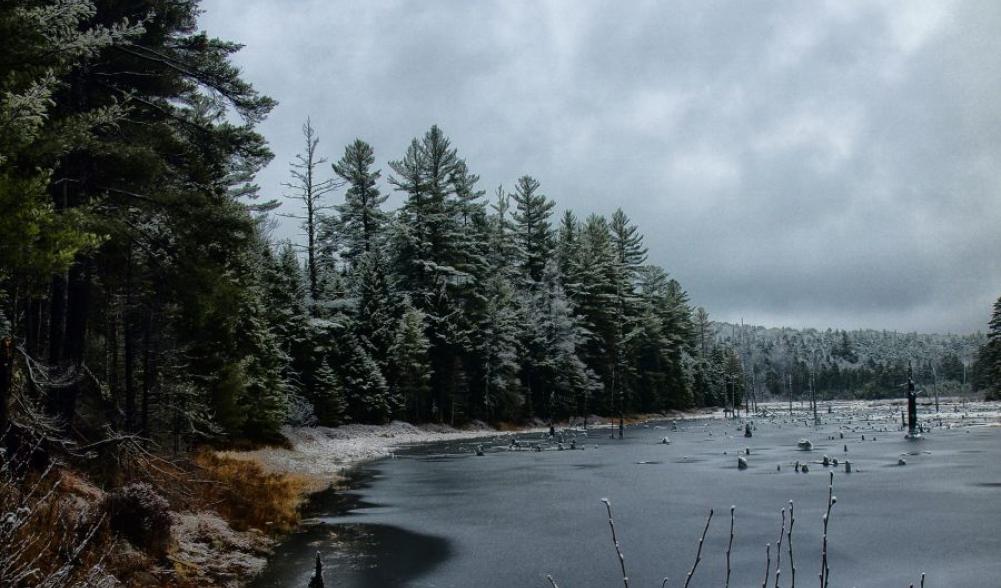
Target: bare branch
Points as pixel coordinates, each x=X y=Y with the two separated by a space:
x=698 y=554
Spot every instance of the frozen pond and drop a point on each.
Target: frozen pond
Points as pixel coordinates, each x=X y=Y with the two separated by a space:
x=442 y=516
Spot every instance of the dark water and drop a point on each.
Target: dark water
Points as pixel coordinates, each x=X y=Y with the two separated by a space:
x=441 y=516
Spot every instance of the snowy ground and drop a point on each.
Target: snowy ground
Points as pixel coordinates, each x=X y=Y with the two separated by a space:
x=324 y=453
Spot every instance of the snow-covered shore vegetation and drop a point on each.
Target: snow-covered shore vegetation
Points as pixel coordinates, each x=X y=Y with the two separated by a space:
x=323 y=453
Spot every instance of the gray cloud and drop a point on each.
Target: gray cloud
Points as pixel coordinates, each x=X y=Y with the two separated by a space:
x=807 y=164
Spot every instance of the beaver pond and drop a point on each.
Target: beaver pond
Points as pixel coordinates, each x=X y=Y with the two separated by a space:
x=441 y=515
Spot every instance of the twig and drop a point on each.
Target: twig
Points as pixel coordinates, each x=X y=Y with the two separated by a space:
x=922 y=580
x=615 y=540
x=778 y=550
x=552 y=581
x=729 y=547
x=698 y=554
x=792 y=562
x=768 y=564
x=825 y=571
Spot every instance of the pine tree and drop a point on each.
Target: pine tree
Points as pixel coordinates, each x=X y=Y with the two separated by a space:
x=567 y=238
x=533 y=235
x=988 y=368
x=361 y=218
x=428 y=265
x=502 y=247
x=570 y=383
x=328 y=396
x=374 y=323
x=596 y=300
x=499 y=330
x=410 y=366
x=368 y=393
x=286 y=297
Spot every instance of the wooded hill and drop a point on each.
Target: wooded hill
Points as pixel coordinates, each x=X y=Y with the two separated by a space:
x=862 y=363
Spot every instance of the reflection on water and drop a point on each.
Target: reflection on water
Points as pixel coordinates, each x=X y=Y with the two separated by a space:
x=348 y=556
x=349 y=550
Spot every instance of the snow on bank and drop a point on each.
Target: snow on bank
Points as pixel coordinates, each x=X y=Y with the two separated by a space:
x=211 y=553
x=325 y=452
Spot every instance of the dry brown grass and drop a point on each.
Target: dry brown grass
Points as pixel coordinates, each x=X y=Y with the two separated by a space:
x=55 y=533
x=249 y=497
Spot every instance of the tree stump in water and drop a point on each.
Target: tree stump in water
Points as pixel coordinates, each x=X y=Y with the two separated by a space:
x=317 y=580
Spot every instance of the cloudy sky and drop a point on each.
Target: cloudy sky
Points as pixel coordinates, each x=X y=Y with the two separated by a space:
x=790 y=163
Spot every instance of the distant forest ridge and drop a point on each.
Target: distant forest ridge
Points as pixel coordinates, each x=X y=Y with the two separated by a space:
x=852 y=363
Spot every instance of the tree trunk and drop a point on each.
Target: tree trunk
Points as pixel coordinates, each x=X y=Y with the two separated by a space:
x=57 y=318
x=6 y=380
x=77 y=310
x=150 y=349
x=129 y=337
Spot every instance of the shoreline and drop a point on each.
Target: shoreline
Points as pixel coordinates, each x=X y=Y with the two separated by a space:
x=322 y=454
x=322 y=457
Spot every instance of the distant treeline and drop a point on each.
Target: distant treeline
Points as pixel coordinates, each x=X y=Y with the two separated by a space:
x=862 y=363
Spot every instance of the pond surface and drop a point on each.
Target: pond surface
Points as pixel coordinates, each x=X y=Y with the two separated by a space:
x=442 y=516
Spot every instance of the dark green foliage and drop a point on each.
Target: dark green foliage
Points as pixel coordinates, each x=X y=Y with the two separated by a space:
x=137 y=261
x=987 y=366
x=328 y=396
x=409 y=364
x=533 y=237
x=361 y=219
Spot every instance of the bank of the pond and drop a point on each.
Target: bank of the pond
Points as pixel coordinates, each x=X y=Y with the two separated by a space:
x=324 y=461
x=323 y=454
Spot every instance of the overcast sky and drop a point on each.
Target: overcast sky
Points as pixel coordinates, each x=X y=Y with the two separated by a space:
x=790 y=163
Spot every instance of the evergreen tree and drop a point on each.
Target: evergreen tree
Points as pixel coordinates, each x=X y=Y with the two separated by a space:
x=374 y=323
x=410 y=366
x=502 y=247
x=565 y=381
x=328 y=396
x=988 y=362
x=428 y=265
x=533 y=236
x=366 y=389
x=361 y=218
x=498 y=349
